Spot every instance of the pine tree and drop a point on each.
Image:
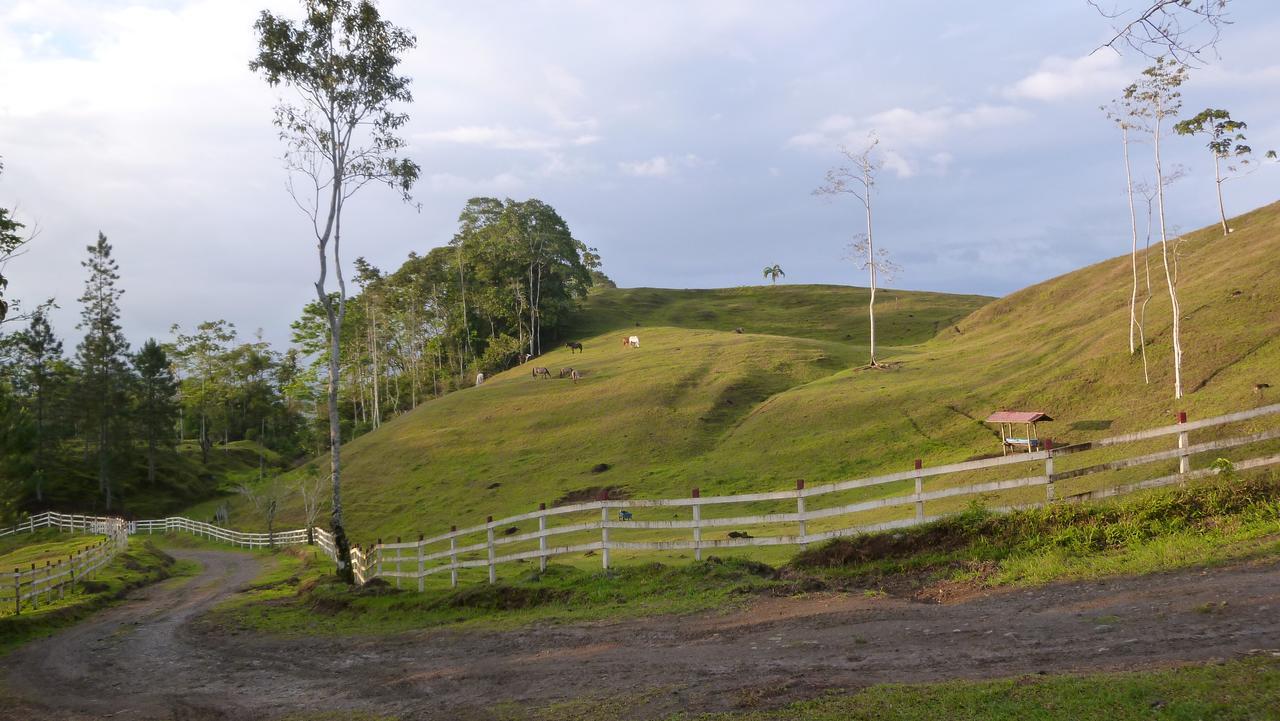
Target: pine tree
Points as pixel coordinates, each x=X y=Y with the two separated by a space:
x=104 y=374
x=156 y=405
x=39 y=371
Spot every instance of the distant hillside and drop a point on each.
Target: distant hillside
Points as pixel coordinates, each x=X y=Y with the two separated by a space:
x=698 y=405
x=820 y=312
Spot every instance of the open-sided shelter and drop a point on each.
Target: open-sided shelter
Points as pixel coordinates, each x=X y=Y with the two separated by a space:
x=1018 y=429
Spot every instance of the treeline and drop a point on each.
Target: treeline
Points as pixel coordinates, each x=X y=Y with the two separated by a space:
x=503 y=287
x=108 y=428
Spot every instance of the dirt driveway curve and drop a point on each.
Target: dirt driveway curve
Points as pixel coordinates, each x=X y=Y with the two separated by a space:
x=144 y=660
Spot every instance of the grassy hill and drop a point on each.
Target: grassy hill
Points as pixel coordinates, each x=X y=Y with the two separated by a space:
x=699 y=405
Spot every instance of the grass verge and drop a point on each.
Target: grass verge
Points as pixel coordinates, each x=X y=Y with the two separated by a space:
x=140 y=565
x=1241 y=690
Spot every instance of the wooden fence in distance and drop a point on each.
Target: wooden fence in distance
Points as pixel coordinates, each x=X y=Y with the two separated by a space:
x=28 y=587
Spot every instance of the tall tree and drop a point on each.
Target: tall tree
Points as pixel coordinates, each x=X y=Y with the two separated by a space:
x=858 y=179
x=104 y=374
x=11 y=242
x=202 y=355
x=38 y=373
x=772 y=272
x=1156 y=100
x=1227 y=143
x=341 y=133
x=1181 y=30
x=156 y=406
x=1121 y=113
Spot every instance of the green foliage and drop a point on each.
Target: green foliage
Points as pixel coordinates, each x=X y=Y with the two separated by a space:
x=11 y=241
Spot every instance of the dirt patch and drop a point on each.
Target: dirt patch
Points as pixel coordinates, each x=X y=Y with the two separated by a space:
x=152 y=658
x=593 y=493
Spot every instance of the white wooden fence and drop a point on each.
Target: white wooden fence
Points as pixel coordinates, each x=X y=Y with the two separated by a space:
x=594 y=527
x=833 y=510
x=28 y=587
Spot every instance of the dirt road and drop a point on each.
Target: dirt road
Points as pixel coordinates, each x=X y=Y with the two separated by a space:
x=144 y=660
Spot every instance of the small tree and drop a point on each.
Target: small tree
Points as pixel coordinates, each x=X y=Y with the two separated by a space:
x=1155 y=99
x=341 y=134
x=311 y=488
x=156 y=406
x=1226 y=142
x=266 y=498
x=859 y=180
x=772 y=272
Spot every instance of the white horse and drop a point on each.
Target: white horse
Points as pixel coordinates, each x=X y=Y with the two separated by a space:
x=634 y=341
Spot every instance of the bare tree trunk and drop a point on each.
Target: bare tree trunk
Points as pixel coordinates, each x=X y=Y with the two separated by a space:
x=1133 y=253
x=871 y=263
x=1168 y=273
x=1217 y=176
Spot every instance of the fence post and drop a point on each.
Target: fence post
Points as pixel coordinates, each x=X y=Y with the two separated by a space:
x=17 y=591
x=453 y=557
x=1048 y=471
x=604 y=529
x=35 y=592
x=493 y=574
x=919 y=491
x=697 y=526
x=800 y=509
x=377 y=550
x=542 y=538
x=422 y=565
x=1184 y=461
x=397 y=562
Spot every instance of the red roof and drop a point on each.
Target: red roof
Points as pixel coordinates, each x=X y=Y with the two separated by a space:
x=1018 y=417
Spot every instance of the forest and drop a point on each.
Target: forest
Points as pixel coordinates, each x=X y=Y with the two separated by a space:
x=102 y=426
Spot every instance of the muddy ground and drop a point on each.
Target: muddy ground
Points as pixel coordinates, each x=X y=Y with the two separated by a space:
x=145 y=659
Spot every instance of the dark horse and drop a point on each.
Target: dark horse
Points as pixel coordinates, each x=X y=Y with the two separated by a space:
x=572 y=346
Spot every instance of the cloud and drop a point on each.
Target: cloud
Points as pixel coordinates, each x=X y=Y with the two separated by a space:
x=661 y=166
x=1059 y=79
x=500 y=137
x=910 y=139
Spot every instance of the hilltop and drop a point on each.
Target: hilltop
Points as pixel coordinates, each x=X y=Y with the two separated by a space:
x=700 y=405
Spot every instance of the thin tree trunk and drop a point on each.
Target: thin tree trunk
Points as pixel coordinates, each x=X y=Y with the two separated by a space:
x=1168 y=273
x=1217 y=176
x=871 y=262
x=1133 y=253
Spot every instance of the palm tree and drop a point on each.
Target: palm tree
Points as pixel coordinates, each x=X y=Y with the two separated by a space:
x=772 y=272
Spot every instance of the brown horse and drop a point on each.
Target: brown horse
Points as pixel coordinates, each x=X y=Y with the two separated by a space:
x=566 y=372
x=541 y=371
x=572 y=346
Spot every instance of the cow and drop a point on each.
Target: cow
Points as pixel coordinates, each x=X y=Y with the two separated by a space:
x=634 y=341
x=572 y=346
x=565 y=372
x=541 y=371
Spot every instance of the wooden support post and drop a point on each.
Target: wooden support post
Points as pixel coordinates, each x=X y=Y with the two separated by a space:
x=604 y=529
x=697 y=528
x=919 y=491
x=17 y=591
x=453 y=557
x=493 y=573
x=35 y=591
x=1048 y=471
x=1184 y=461
x=377 y=554
x=397 y=562
x=542 y=538
x=422 y=565
x=800 y=509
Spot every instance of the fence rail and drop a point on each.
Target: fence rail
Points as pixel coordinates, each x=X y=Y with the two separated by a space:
x=28 y=587
x=480 y=546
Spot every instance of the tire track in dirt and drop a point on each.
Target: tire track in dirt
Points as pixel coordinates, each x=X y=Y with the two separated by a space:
x=158 y=665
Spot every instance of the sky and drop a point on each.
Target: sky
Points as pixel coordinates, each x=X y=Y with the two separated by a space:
x=681 y=139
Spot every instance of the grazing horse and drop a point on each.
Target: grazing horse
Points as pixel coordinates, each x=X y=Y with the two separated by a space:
x=541 y=371
x=573 y=346
x=479 y=379
x=575 y=375
x=566 y=372
x=633 y=341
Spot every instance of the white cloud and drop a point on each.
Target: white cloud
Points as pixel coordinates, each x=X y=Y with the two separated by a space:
x=906 y=135
x=1065 y=78
x=500 y=137
x=662 y=166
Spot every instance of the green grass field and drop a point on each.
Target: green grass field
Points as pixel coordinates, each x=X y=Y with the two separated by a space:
x=701 y=406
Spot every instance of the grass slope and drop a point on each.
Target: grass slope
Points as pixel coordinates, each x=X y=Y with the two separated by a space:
x=733 y=413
